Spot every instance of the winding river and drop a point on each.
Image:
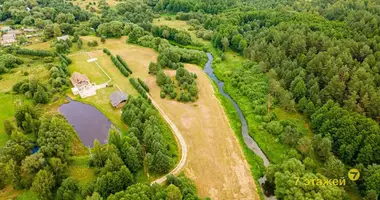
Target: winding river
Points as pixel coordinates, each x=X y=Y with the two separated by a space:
x=244 y=126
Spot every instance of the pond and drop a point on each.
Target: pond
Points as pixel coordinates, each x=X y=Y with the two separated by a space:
x=88 y=122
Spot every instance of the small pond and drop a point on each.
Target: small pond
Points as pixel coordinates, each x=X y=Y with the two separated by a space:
x=87 y=121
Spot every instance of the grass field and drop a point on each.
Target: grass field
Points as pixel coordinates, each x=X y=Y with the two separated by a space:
x=177 y=24
x=36 y=70
x=79 y=169
x=6 y=113
x=212 y=145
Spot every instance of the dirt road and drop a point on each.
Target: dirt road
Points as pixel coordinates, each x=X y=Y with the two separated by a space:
x=180 y=139
x=215 y=160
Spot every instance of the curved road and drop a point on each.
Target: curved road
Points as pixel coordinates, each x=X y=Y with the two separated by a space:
x=181 y=140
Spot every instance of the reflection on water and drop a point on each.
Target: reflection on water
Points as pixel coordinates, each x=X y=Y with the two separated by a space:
x=88 y=122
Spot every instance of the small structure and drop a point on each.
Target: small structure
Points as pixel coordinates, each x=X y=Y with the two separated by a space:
x=118 y=99
x=82 y=85
x=64 y=38
x=14 y=32
x=29 y=30
x=8 y=39
x=92 y=59
x=5 y=28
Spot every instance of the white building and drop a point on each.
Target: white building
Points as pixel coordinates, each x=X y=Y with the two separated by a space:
x=64 y=38
x=8 y=39
x=82 y=85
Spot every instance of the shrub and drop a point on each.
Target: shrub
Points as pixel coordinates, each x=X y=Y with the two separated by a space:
x=106 y=51
x=119 y=66
x=124 y=64
x=92 y=43
x=145 y=86
x=138 y=87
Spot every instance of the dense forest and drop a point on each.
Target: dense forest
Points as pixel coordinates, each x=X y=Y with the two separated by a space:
x=320 y=58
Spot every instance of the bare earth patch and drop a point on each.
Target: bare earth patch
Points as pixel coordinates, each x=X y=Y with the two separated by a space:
x=215 y=161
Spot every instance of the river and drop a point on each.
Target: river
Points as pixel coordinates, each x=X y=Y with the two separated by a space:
x=244 y=126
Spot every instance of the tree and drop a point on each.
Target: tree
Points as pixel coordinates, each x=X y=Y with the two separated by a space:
x=173 y=193
x=41 y=96
x=225 y=43
x=54 y=138
x=334 y=168
x=94 y=196
x=57 y=30
x=8 y=127
x=322 y=147
x=43 y=184
x=27 y=118
x=33 y=163
x=68 y=189
x=152 y=68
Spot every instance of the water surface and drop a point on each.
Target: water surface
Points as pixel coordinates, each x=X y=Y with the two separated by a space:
x=88 y=122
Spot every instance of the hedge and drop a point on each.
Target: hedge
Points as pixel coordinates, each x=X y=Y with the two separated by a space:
x=144 y=85
x=124 y=64
x=138 y=87
x=119 y=66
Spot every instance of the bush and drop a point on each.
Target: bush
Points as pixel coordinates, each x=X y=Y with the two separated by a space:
x=124 y=64
x=8 y=127
x=29 y=52
x=119 y=66
x=106 y=51
x=26 y=73
x=138 y=87
x=145 y=86
x=92 y=43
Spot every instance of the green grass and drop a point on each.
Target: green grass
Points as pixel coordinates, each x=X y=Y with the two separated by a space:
x=80 y=170
x=28 y=195
x=7 y=111
x=34 y=69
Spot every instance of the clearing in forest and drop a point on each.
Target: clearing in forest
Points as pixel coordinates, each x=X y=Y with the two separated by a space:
x=215 y=160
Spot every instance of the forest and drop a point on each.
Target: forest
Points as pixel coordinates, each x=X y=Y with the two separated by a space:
x=319 y=58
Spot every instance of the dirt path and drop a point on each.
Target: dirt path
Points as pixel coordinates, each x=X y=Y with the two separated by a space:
x=215 y=160
x=180 y=139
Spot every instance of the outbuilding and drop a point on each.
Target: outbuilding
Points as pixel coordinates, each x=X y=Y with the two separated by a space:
x=118 y=99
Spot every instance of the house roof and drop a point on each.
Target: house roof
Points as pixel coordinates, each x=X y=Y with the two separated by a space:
x=29 y=29
x=15 y=32
x=65 y=37
x=9 y=37
x=118 y=97
x=78 y=79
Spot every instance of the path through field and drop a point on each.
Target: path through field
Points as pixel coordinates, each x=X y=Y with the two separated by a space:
x=215 y=160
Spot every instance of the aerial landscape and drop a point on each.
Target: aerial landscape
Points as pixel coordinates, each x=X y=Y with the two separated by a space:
x=189 y=99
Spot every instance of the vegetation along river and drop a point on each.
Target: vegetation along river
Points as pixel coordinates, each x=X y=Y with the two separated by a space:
x=88 y=122
x=244 y=126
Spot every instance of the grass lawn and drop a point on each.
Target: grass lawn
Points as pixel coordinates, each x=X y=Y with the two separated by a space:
x=80 y=170
x=6 y=113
